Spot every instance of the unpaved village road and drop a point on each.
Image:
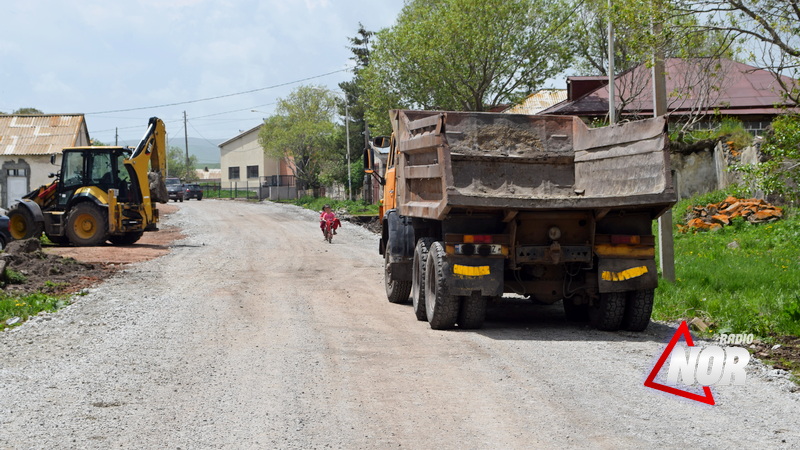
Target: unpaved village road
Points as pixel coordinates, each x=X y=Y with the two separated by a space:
x=254 y=333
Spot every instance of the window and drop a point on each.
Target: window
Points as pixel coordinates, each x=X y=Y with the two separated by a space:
x=17 y=172
x=233 y=173
x=252 y=171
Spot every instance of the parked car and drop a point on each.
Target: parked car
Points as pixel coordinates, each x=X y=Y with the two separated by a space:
x=175 y=189
x=5 y=235
x=192 y=191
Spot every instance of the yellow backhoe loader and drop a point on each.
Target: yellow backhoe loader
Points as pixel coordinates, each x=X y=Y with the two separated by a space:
x=100 y=193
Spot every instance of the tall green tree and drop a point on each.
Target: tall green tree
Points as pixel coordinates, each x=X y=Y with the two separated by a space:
x=352 y=110
x=304 y=132
x=465 y=54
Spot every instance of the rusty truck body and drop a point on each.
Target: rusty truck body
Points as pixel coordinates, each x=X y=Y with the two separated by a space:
x=476 y=205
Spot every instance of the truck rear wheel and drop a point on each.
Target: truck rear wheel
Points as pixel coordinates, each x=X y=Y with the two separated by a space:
x=638 y=308
x=472 y=312
x=606 y=313
x=441 y=308
x=87 y=225
x=397 y=291
x=418 y=277
x=21 y=224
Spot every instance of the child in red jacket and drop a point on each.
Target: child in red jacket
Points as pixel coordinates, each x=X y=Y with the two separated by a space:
x=327 y=215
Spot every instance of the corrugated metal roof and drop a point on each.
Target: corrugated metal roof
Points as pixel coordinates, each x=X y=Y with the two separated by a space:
x=733 y=86
x=538 y=101
x=41 y=134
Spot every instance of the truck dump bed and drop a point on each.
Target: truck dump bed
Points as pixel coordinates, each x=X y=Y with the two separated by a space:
x=478 y=161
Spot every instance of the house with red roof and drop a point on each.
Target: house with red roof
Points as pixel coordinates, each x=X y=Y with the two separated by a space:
x=699 y=91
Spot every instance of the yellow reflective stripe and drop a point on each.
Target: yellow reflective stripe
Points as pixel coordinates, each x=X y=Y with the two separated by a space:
x=626 y=274
x=624 y=251
x=471 y=271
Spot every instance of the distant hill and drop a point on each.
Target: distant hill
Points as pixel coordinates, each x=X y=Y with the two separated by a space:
x=206 y=151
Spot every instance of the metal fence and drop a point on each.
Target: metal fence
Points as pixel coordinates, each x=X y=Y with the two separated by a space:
x=248 y=189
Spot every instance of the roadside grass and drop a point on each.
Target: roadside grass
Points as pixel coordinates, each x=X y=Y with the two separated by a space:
x=743 y=278
x=352 y=207
x=14 y=310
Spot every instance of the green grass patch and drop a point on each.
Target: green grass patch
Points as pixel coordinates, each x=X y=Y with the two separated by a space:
x=17 y=309
x=352 y=207
x=744 y=278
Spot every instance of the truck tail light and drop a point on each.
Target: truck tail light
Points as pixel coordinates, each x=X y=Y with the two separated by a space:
x=477 y=239
x=625 y=239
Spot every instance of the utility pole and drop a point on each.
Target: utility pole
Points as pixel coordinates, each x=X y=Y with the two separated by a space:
x=186 y=141
x=611 y=88
x=666 y=245
x=367 y=178
x=116 y=136
x=347 y=132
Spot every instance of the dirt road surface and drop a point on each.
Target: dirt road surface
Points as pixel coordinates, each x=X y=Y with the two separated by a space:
x=254 y=333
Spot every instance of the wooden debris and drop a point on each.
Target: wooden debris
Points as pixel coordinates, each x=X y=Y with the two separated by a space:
x=716 y=215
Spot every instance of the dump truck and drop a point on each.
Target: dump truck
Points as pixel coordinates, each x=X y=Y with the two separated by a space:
x=101 y=193
x=478 y=205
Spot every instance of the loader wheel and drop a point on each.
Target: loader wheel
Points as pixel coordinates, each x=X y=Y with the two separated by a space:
x=418 y=277
x=606 y=313
x=638 y=307
x=472 y=312
x=21 y=224
x=87 y=225
x=127 y=238
x=58 y=240
x=397 y=291
x=441 y=307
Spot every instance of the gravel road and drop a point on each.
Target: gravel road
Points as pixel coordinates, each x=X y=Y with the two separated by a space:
x=254 y=333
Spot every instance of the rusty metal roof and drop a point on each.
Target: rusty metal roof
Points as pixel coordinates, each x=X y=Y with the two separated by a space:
x=41 y=134
x=733 y=88
x=538 y=101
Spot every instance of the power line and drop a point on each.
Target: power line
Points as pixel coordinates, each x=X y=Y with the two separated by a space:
x=219 y=96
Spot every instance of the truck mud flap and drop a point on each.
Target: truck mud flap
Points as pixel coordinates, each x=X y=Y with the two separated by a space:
x=472 y=274
x=620 y=275
x=401 y=237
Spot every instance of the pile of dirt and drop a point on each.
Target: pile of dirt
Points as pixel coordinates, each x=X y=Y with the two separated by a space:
x=27 y=269
x=781 y=352
x=716 y=215
x=503 y=140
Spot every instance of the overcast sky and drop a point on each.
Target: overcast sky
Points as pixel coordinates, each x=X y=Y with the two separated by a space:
x=119 y=61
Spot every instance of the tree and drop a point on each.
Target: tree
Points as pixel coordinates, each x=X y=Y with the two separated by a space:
x=27 y=111
x=635 y=43
x=465 y=54
x=770 y=27
x=779 y=172
x=353 y=109
x=177 y=167
x=303 y=132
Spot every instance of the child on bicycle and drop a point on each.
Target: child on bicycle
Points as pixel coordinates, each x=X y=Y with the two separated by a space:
x=327 y=215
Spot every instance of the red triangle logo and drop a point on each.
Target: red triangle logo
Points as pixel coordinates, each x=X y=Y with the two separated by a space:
x=683 y=330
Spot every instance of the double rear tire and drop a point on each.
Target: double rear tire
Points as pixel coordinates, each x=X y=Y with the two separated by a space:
x=397 y=291
x=418 y=277
x=623 y=310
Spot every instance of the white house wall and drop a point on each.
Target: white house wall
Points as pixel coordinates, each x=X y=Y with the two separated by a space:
x=242 y=152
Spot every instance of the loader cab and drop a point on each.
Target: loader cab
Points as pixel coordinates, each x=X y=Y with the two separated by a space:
x=92 y=172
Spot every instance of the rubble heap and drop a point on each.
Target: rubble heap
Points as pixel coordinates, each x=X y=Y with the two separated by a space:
x=716 y=215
